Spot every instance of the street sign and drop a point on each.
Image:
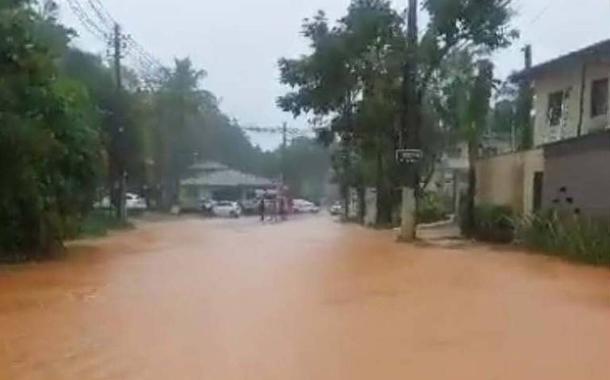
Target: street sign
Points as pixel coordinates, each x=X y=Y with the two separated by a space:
x=409 y=156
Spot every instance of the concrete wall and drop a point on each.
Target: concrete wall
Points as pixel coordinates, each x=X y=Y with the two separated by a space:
x=582 y=167
x=508 y=180
x=569 y=79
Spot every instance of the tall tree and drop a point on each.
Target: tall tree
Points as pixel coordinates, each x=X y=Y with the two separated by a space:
x=350 y=78
x=49 y=146
x=481 y=24
x=178 y=103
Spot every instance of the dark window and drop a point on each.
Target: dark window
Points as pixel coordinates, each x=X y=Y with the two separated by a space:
x=538 y=187
x=555 y=110
x=599 y=97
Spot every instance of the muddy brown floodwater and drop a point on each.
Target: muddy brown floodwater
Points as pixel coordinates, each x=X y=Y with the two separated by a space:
x=308 y=299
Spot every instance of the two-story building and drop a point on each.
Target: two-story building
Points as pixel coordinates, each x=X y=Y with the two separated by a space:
x=571 y=94
x=572 y=128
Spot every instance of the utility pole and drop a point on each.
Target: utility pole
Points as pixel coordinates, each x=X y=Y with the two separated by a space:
x=284 y=148
x=119 y=129
x=409 y=133
x=525 y=103
x=527 y=52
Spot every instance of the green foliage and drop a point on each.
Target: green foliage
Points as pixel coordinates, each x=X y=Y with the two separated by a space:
x=352 y=82
x=479 y=22
x=493 y=223
x=98 y=223
x=571 y=236
x=307 y=165
x=49 y=149
x=431 y=209
x=349 y=83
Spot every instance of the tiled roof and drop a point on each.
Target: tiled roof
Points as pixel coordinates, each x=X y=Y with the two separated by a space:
x=208 y=166
x=227 y=178
x=598 y=49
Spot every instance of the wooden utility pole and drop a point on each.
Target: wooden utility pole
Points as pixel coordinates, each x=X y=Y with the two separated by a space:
x=410 y=119
x=284 y=148
x=120 y=183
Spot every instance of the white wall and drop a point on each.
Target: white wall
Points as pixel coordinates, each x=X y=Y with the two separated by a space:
x=569 y=78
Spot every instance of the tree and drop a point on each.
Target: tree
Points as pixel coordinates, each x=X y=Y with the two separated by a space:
x=350 y=79
x=49 y=145
x=465 y=103
x=476 y=119
x=178 y=102
x=307 y=167
x=479 y=24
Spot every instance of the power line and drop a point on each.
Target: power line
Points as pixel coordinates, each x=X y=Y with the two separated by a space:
x=102 y=15
x=100 y=23
x=89 y=24
x=544 y=11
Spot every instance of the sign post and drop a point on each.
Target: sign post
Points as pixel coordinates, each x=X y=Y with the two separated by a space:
x=409 y=156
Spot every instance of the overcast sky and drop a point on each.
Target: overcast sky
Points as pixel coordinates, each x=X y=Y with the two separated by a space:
x=238 y=42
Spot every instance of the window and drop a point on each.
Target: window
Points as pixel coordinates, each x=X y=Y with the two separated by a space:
x=599 y=97
x=555 y=109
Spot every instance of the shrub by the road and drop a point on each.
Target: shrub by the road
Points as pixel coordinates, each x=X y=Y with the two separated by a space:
x=98 y=223
x=494 y=224
x=574 y=237
x=431 y=209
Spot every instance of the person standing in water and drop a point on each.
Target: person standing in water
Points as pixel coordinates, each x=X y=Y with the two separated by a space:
x=282 y=208
x=261 y=209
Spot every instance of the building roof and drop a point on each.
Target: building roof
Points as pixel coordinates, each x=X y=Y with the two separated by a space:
x=208 y=166
x=227 y=178
x=600 y=49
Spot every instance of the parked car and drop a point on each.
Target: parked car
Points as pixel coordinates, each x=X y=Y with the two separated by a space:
x=301 y=206
x=134 y=202
x=336 y=208
x=227 y=209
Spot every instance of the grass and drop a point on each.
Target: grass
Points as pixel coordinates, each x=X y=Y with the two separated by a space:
x=572 y=237
x=99 y=223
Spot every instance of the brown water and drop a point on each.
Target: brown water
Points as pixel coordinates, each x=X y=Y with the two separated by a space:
x=308 y=299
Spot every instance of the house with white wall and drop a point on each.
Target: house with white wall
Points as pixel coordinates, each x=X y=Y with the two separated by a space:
x=572 y=129
x=571 y=94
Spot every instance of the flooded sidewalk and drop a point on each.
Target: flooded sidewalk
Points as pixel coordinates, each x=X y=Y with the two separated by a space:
x=307 y=299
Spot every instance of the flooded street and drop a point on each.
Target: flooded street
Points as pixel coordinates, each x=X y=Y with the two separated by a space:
x=308 y=299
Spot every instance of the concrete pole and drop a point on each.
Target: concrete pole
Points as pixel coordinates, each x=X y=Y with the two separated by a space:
x=410 y=128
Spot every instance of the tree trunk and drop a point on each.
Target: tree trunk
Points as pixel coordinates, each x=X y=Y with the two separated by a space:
x=470 y=222
x=345 y=194
x=362 y=203
x=384 y=196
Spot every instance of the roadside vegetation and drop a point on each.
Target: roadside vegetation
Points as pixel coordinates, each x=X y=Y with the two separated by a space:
x=564 y=231
x=561 y=231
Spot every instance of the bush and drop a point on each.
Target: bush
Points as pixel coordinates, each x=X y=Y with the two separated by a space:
x=431 y=209
x=571 y=236
x=492 y=223
x=98 y=223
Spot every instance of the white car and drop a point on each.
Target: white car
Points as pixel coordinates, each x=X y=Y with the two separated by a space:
x=227 y=209
x=301 y=206
x=336 y=208
x=135 y=202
